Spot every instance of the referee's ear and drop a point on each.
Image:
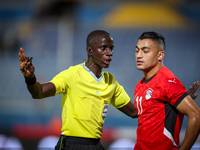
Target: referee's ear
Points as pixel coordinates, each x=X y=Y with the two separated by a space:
x=89 y=50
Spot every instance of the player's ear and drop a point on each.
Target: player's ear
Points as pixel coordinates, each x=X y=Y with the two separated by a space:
x=161 y=55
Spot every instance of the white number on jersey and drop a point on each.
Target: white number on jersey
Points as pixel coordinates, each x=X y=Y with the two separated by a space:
x=139 y=104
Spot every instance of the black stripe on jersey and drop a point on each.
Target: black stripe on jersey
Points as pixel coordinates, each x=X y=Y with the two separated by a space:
x=180 y=99
x=170 y=117
x=171 y=114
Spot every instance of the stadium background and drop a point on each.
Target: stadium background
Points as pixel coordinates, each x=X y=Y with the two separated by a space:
x=54 y=32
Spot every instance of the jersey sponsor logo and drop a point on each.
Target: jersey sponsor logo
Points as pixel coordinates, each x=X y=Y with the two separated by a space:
x=172 y=81
x=105 y=110
x=148 y=93
x=97 y=92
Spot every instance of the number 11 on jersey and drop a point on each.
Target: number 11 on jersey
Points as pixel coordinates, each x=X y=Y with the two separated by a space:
x=139 y=104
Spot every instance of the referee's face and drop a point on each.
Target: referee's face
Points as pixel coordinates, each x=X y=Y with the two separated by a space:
x=147 y=55
x=102 y=50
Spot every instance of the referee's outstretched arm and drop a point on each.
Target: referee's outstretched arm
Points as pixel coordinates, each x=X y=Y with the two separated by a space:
x=37 y=90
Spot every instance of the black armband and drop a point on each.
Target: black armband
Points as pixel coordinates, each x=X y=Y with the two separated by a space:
x=30 y=81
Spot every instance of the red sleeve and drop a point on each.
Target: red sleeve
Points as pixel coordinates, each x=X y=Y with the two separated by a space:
x=174 y=91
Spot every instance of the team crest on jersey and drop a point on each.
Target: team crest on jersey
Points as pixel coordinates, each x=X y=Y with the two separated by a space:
x=148 y=93
x=105 y=110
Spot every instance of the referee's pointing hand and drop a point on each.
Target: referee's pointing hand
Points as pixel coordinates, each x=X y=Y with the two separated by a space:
x=26 y=65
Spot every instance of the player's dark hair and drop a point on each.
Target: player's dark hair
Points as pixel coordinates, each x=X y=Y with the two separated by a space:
x=92 y=36
x=157 y=37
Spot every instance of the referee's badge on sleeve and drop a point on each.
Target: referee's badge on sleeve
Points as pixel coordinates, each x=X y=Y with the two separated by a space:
x=104 y=112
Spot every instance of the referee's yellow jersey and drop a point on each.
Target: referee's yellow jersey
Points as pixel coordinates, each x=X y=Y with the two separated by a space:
x=85 y=100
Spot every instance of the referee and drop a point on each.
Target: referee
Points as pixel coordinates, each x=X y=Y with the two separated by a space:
x=86 y=92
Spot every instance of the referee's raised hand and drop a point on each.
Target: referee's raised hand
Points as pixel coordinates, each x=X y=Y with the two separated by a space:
x=26 y=65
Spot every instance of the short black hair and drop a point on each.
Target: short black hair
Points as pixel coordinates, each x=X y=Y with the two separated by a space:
x=92 y=36
x=157 y=37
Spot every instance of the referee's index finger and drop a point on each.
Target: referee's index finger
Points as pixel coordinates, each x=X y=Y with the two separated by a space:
x=22 y=55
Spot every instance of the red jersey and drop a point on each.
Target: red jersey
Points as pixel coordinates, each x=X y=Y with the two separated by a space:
x=159 y=122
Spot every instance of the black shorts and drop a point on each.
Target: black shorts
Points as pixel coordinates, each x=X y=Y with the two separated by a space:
x=78 y=143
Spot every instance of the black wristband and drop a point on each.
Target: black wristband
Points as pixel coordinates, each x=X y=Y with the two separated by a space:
x=30 y=81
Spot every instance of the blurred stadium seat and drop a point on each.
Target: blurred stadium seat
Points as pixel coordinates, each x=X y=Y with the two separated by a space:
x=11 y=143
x=122 y=144
x=48 y=142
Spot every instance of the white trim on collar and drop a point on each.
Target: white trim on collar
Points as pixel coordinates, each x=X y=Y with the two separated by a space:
x=91 y=73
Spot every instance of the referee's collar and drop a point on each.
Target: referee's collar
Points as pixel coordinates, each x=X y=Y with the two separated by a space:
x=91 y=73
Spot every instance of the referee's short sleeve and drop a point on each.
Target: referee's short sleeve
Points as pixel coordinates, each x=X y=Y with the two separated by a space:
x=120 y=97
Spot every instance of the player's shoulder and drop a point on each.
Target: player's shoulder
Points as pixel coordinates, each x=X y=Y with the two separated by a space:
x=166 y=76
x=165 y=73
x=140 y=82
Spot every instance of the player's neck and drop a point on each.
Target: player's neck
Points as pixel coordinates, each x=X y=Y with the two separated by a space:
x=153 y=71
